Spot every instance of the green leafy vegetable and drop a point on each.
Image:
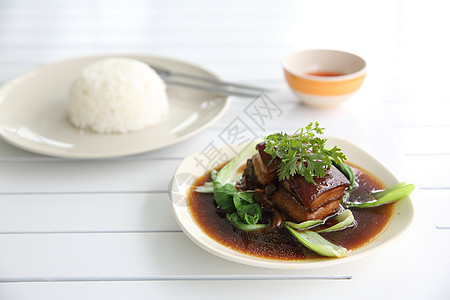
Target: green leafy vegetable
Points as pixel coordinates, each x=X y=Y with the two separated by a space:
x=345 y=219
x=246 y=208
x=243 y=211
x=229 y=173
x=237 y=222
x=389 y=195
x=302 y=153
x=304 y=225
x=206 y=188
x=250 y=213
x=213 y=175
x=317 y=243
x=378 y=195
x=223 y=194
x=345 y=198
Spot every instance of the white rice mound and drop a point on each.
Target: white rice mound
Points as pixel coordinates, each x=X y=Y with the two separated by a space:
x=117 y=95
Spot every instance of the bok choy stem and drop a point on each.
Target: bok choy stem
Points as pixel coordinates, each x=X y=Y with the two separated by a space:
x=345 y=220
x=389 y=195
x=317 y=243
x=229 y=173
x=304 y=225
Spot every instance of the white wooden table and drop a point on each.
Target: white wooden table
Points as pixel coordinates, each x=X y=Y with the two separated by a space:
x=104 y=229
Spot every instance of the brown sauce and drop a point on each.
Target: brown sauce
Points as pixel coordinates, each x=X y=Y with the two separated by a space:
x=279 y=243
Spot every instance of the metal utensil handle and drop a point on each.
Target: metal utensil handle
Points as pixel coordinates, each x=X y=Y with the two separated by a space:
x=217 y=81
x=213 y=89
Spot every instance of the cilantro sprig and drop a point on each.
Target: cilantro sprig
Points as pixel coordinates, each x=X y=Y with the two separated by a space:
x=302 y=153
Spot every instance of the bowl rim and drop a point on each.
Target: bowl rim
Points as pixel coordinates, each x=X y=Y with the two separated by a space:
x=343 y=77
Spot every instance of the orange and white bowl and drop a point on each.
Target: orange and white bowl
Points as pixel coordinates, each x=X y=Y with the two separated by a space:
x=322 y=77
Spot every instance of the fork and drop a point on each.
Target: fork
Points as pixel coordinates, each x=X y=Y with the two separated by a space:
x=216 y=85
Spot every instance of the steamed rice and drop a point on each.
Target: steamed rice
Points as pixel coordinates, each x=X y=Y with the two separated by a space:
x=117 y=95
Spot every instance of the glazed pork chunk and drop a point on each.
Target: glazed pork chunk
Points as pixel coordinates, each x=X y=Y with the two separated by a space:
x=261 y=170
x=302 y=200
x=295 y=198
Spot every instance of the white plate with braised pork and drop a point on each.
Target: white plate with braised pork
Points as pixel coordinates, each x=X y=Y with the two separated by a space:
x=291 y=201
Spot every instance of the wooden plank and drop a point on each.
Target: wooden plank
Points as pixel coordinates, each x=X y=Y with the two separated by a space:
x=427 y=170
x=416 y=114
x=438 y=206
x=165 y=255
x=121 y=256
x=87 y=176
x=52 y=263
x=168 y=289
x=425 y=140
x=221 y=289
x=124 y=212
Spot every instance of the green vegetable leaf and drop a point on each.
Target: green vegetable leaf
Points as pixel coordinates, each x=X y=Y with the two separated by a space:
x=380 y=194
x=206 y=188
x=345 y=219
x=248 y=211
x=229 y=173
x=317 y=243
x=243 y=211
x=302 y=153
x=246 y=196
x=240 y=205
x=236 y=221
x=389 y=195
x=223 y=194
x=345 y=198
x=304 y=225
x=213 y=175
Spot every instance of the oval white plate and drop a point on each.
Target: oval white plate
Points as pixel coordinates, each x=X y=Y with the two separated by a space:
x=189 y=170
x=33 y=113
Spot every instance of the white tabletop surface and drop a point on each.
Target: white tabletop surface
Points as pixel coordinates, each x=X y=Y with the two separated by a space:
x=104 y=229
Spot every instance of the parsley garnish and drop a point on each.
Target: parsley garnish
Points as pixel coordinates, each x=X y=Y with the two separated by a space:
x=302 y=153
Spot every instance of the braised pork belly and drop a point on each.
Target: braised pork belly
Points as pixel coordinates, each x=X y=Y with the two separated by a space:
x=295 y=198
x=261 y=169
x=294 y=210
